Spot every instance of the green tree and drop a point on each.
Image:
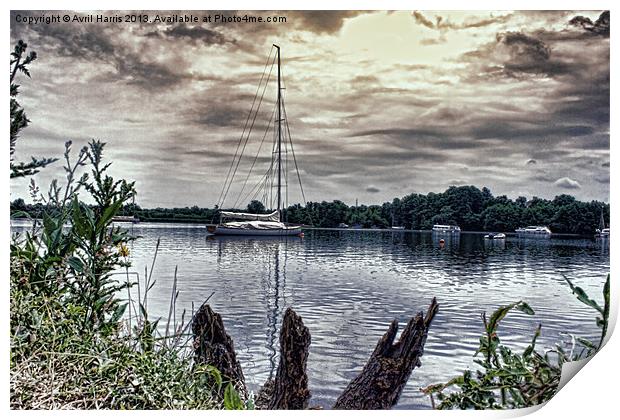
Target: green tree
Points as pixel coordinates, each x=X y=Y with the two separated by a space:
x=256 y=207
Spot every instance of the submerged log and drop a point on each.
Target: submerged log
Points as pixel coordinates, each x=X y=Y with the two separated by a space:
x=289 y=390
x=214 y=347
x=382 y=380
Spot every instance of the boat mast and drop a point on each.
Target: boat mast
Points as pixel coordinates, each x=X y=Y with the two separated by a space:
x=279 y=135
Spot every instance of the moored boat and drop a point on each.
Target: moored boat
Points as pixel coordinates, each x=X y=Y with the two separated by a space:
x=602 y=231
x=245 y=224
x=446 y=229
x=495 y=236
x=271 y=224
x=534 y=231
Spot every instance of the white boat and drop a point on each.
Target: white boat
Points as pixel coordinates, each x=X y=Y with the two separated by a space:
x=534 y=231
x=446 y=229
x=394 y=226
x=248 y=224
x=494 y=237
x=251 y=224
x=602 y=231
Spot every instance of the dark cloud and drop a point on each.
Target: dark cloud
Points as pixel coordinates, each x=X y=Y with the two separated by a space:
x=433 y=41
x=515 y=55
x=444 y=24
x=372 y=189
x=191 y=33
x=605 y=164
x=599 y=27
x=567 y=183
x=531 y=162
x=364 y=81
x=322 y=21
x=98 y=44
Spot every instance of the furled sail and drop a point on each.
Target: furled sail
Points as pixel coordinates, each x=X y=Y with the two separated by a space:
x=272 y=217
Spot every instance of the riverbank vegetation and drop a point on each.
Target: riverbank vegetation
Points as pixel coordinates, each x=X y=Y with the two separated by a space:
x=470 y=208
x=72 y=343
x=510 y=379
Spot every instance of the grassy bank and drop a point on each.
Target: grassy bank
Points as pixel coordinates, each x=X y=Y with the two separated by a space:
x=75 y=343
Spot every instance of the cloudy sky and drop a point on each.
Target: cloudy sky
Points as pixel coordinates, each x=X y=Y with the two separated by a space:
x=380 y=104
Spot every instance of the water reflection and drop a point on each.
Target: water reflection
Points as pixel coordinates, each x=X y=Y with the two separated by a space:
x=273 y=254
x=495 y=244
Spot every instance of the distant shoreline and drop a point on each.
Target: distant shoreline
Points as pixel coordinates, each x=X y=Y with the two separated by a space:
x=203 y=225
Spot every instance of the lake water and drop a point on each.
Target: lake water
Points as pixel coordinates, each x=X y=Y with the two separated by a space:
x=349 y=285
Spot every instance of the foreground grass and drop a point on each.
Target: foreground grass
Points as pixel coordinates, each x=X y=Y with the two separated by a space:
x=57 y=365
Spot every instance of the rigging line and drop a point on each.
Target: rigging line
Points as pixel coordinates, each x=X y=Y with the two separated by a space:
x=253 y=193
x=273 y=157
x=301 y=187
x=303 y=195
x=248 y=136
x=286 y=174
x=255 y=157
x=246 y=121
x=257 y=185
x=255 y=196
x=265 y=177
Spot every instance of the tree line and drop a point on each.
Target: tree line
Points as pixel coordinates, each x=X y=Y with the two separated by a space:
x=469 y=207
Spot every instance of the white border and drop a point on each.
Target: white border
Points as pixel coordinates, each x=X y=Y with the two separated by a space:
x=590 y=395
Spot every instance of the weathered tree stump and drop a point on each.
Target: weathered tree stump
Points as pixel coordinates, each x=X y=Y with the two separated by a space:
x=382 y=380
x=289 y=390
x=378 y=386
x=214 y=347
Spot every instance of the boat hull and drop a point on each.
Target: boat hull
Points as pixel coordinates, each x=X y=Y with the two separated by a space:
x=495 y=237
x=222 y=230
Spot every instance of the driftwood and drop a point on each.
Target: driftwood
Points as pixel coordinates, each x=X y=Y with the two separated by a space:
x=383 y=378
x=214 y=347
x=378 y=386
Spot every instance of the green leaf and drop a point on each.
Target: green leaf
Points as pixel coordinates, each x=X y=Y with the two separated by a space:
x=108 y=214
x=79 y=221
x=528 y=351
x=517 y=397
x=118 y=313
x=76 y=264
x=525 y=308
x=586 y=343
x=214 y=373
x=502 y=311
x=582 y=296
x=232 y=401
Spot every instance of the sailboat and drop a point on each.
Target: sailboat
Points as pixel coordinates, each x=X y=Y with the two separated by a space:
x=602 y=231
x=271 y=224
